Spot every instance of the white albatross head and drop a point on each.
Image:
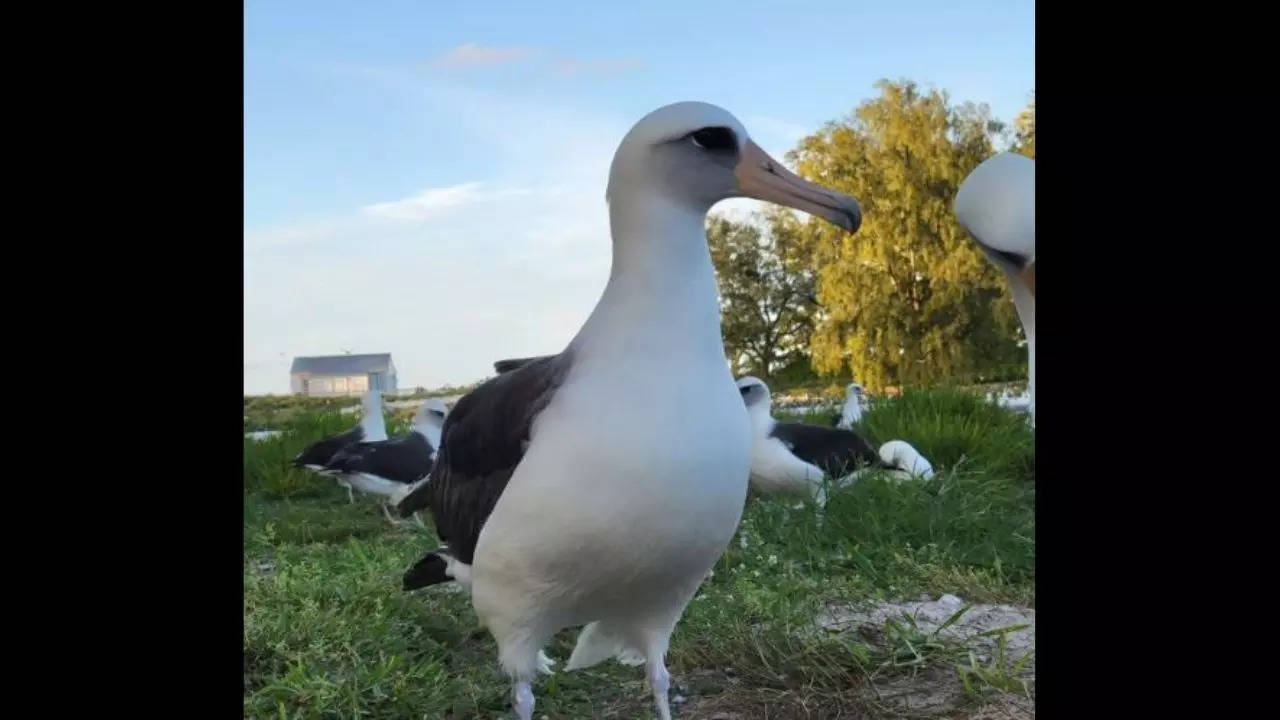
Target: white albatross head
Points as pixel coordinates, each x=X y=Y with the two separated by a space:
x=757 y=398
x=429 y=420
x=996 y=204
x=695 y=154
x=852 y=411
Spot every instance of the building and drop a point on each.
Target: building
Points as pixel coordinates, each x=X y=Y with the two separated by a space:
x=331 y=375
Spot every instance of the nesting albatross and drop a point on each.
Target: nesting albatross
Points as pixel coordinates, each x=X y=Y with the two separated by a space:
x=560 y=510
x=996 y=204
x=371 y=428
x=795 y=457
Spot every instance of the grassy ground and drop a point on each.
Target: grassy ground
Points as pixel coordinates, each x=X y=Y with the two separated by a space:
x=329 y=633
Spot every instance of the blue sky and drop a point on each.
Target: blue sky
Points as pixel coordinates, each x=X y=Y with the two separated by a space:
x=427 y=179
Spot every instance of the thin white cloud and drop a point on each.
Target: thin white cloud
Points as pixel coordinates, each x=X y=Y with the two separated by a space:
x=473 y=55
x=429 y=202
x=602 y=68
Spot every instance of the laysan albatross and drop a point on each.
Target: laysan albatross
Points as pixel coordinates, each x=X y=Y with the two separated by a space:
x=372 y=428
x=996 y=204
x=851 y=413
x=796 y=457
x=390 y=467
x=562 y=511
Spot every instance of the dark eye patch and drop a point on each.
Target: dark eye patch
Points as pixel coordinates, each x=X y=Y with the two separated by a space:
x=745 y=390
x=1012 y=258
x=715 y=139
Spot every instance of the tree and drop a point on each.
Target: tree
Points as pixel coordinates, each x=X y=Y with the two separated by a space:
x=766 y=292
x=1025 y=130
x=908 y=299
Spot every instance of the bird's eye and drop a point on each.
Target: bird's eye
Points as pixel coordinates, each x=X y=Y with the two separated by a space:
x=745 y=390
x=715 y=139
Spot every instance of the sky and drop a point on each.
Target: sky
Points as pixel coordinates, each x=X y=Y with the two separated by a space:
x=427 y=179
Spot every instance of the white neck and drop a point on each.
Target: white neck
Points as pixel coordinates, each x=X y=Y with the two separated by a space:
x=1025 y=303
x=852 y=411
x=373 y=424
x=661 y=299
x=430 y=431
x=762 y=421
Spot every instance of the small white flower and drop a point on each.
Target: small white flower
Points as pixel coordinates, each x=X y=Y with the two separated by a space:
x=773 y=559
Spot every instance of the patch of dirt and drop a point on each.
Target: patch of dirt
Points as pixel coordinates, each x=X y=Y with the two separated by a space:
x=930 y=615
x=938 y=691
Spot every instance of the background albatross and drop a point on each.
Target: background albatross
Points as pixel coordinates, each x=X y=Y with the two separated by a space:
x=996 y=204
x=795 y=457
x=561 y=511
x=390 y=467
x=371 y=428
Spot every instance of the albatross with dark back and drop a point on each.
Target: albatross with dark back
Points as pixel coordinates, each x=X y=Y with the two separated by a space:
x=558 y=510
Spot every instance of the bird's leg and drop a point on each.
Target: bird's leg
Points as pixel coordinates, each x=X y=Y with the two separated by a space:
x=351 y=498
x=819 y=490
x=418 y=517
x=387 y=513
x=660 y=681
x=522 y=700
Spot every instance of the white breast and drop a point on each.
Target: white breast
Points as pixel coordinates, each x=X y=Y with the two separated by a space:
x=774 y=469
x=656 y=485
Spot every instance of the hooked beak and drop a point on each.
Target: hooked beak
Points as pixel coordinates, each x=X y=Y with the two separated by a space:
x=763 y=178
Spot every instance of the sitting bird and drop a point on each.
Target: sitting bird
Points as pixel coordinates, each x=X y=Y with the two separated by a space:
x=795 y=457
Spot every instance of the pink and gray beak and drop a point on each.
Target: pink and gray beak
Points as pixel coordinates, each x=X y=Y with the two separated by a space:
x=763 y=178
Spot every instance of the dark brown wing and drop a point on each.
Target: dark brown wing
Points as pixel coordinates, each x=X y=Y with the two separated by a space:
x=405 y=459
x=833 y=450
x=320 y=453
x=482 y=442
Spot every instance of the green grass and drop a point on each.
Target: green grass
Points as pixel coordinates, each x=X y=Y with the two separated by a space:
x=329 y=633
x=263 y=412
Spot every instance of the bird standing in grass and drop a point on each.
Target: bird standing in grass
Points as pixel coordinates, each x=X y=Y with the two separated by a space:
x=560 y=510
x=372 y=427
x=389 y=468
